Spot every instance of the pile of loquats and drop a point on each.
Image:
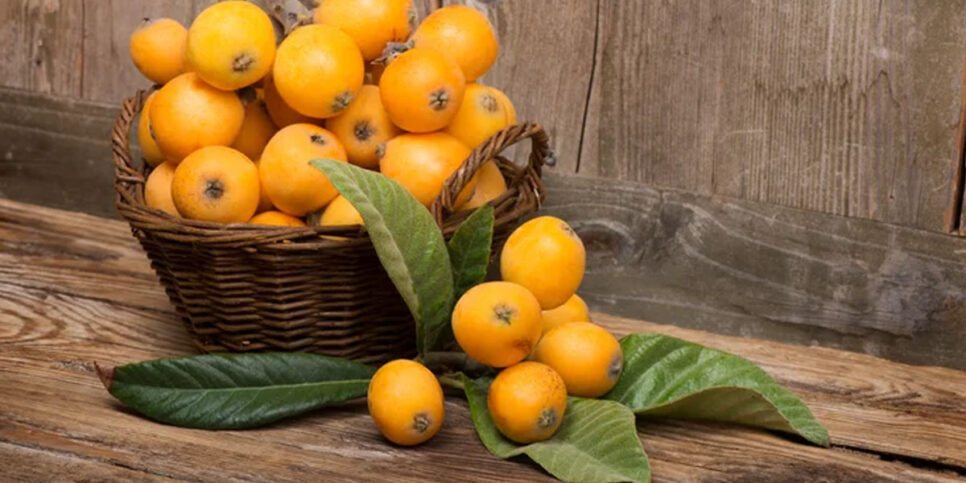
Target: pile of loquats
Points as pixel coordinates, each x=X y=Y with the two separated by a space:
x=531 y=326
x=237 y=117
x=231 y=130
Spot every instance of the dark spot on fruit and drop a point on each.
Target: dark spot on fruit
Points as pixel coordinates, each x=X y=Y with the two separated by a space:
x=421 y=422
x=214 y=189
x=568 y=230
x=381 y=150
x=524 y=345
x=438 y=99
x=342 y=101
x=504 y=313
x=547 y=418
x=489 y=103
x=242 y=62
x=363 y=130
x=318 y=139
x=615 y=367
x=151 y=132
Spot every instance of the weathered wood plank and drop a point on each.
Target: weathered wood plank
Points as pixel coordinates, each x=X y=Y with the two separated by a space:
x=56 y=151
x=21 y=462
x=652 y=102
x=74 y=310
x=819 y=105
x=46 y=366
x=952 y=216
x=46 y=251
x=867 y=403
x=41 y=44
x=728 y=460
x=109 y=73
x=545 y=63
x=766 y=271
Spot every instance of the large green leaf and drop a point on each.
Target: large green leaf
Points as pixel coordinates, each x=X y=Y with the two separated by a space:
x=666 y=376
x=235 y=391
x=407 y=241
x=597 y=440
x=469 y=249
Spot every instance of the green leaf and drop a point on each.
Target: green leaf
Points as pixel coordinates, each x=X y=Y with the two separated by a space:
x=235 y=391
x=666 y=376
x=597 y=440
x=407 y=241
x=469 y=249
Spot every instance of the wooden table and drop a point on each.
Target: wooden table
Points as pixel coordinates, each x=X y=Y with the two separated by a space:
x=76 y=289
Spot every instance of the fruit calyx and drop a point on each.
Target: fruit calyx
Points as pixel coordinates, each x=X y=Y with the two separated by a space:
x=504 y=313
x=214 y=189
x=392 y=50
x=242 y=62
x=547 y=418
x=342 y=101
x=421 y=422
x=438 y=99
x=363 y=131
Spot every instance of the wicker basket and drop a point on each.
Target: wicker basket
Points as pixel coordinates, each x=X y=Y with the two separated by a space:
x=241 y=287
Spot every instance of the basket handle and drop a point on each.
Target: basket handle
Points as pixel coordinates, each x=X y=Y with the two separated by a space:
x=128 y=177
x=540 y=154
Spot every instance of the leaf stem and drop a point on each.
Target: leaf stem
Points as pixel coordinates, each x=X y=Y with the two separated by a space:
x=451 y=381
x=445 y=362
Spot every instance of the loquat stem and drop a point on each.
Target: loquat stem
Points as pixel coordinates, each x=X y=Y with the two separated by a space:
x=450 y=381
x=444 y=362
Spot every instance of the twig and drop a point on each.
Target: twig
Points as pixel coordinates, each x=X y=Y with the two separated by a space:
x=450 y=381
x=446 y=362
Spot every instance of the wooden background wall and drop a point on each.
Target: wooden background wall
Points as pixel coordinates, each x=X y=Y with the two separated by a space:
x=688 y=123
x=840 y=106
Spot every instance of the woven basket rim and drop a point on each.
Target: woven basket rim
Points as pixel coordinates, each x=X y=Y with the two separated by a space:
x=525 y=194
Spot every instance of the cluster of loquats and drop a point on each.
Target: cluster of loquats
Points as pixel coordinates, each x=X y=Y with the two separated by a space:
x=531 y=326
x=237 y=116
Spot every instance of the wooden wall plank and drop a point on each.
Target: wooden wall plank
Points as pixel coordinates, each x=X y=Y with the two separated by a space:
x=654 y=94
x=545 y=63
x=41 y=44
x=56 y=151
x=109 y=73
x=821 y=105
x=766 y=271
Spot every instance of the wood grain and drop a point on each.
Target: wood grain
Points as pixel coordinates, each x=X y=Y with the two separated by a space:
x=109 y=73
x=41 y=44
x=888 y=421
x=56 y=151
x=816 y=105
x=865 y=402
x=952 y=216
x=545 y=64
x=765 y=271
x=820 y=105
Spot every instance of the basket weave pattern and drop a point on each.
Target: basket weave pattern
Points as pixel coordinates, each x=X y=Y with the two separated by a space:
x=241 y=287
